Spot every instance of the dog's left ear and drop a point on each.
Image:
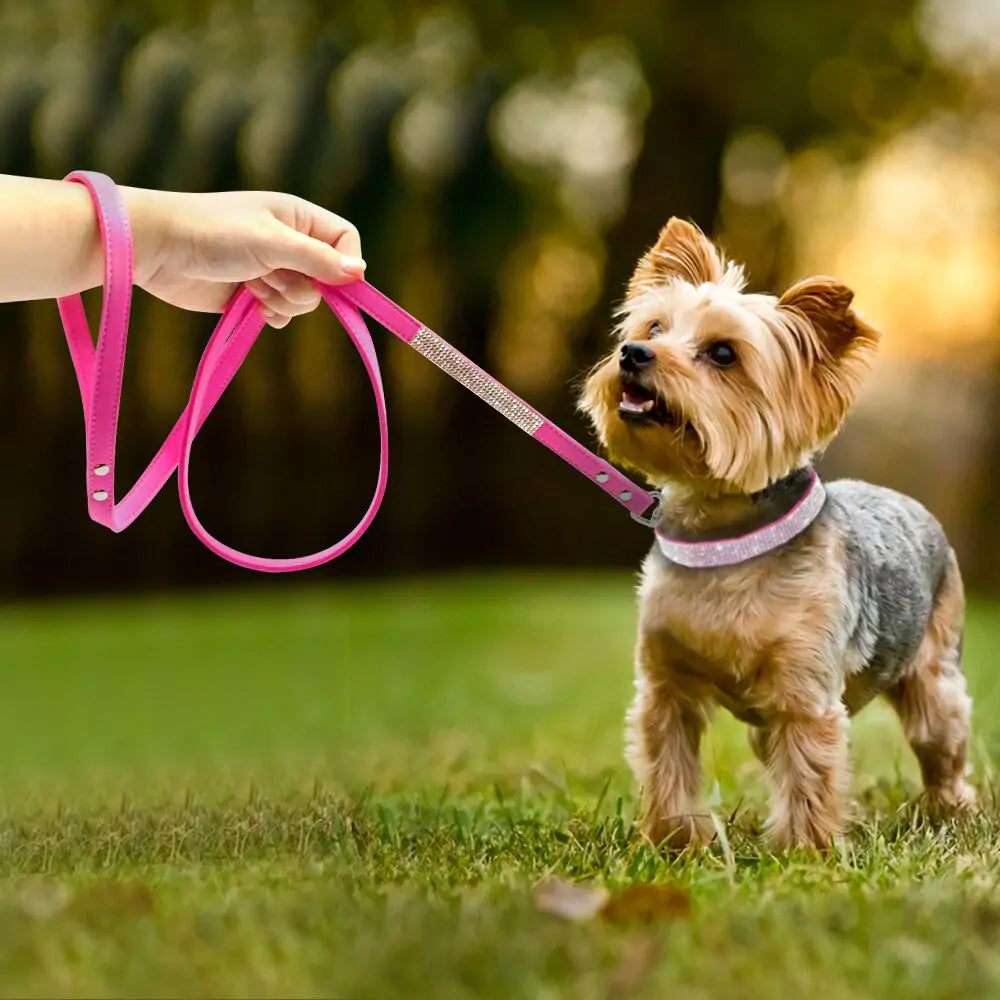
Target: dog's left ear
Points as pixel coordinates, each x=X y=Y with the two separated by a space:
x=838 y=342
x=826 y=304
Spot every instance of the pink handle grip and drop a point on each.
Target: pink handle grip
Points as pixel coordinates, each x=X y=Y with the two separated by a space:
x=100 y=370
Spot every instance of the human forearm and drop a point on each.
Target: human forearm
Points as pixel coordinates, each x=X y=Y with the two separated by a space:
x=193 y=250
x=49 y=242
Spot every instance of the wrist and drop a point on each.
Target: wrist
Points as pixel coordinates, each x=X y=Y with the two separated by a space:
x=149 y=222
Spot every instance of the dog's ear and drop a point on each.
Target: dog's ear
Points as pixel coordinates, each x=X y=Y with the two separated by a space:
x=681 y=251
x=838 y=343
x=826 y=304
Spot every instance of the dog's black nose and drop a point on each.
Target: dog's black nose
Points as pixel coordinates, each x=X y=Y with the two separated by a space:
x=635 y=356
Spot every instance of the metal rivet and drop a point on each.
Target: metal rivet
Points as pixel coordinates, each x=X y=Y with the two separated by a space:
x=625 y=495
x=100 y=494
x=101 y=470
x=602 y=477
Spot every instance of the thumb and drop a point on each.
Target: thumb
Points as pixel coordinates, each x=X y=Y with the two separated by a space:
x=312 y=257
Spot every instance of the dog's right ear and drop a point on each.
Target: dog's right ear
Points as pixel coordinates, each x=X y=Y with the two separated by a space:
x=682 y=251
x=826 y=304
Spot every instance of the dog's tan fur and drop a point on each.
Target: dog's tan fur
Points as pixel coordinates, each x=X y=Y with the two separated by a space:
x=748 y=638
x=809 y=349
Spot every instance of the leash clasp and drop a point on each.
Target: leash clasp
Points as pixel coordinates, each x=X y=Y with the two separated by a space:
x=652 y=516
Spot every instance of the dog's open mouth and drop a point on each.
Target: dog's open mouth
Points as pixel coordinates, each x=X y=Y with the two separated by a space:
x=640 y=405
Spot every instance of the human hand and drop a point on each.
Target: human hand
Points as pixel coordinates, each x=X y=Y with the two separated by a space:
x=194 y=250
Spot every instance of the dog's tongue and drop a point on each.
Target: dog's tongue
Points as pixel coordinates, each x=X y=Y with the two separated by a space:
x=635 y=400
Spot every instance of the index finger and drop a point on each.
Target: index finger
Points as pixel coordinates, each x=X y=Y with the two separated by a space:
x=320 y=224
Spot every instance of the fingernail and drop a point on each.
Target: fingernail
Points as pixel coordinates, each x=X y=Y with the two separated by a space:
x=354 y=265
x=268 y=314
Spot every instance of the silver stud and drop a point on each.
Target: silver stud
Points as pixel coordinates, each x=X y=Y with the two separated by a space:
x=625 y=495
x=602 y=477
x=101 y=470
x=100 y=494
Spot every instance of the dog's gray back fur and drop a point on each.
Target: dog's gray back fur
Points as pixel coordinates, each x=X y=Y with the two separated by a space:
x=896 y=556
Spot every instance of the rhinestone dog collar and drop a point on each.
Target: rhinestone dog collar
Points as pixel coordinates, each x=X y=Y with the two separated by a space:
x=731 y=551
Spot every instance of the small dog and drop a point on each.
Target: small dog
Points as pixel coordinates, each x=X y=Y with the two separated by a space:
x=722 y=399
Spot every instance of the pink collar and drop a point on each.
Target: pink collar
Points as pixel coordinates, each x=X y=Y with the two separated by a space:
x=99 y=373
x=731 y=551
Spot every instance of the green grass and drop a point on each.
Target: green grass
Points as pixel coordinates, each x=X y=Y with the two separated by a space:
x=353 y=791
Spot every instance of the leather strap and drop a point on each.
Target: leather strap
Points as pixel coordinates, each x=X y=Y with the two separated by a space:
x=100 y=371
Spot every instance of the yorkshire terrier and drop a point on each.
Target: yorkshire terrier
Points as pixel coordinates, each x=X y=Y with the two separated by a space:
x=722 y=399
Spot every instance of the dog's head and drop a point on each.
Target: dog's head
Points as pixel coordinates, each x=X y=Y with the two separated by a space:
x=712 y=385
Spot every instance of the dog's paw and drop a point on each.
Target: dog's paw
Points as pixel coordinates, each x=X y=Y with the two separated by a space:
x=675 y=833
x=941 y=803
x=784 y=836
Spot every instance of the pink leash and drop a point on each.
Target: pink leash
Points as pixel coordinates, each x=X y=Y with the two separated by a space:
x=99 y=373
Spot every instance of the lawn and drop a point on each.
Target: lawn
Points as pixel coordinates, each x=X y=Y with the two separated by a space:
x=355 y=791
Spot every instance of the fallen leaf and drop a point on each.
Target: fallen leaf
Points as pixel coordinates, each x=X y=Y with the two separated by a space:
x=114 y=897
x=569 y=899
x=646 y=903
x=635 y=904
x=42 y=898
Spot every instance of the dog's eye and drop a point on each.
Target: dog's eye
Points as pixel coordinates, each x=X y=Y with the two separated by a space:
x=655 y=329
x=722 y=354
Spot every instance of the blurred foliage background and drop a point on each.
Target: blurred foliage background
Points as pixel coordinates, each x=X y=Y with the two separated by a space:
x=506 y=164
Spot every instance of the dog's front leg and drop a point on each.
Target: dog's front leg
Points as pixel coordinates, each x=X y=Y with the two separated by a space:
x=807 y=763
x=664 y=728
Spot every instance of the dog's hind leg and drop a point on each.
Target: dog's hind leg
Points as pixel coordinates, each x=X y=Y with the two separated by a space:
x=932 y=703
